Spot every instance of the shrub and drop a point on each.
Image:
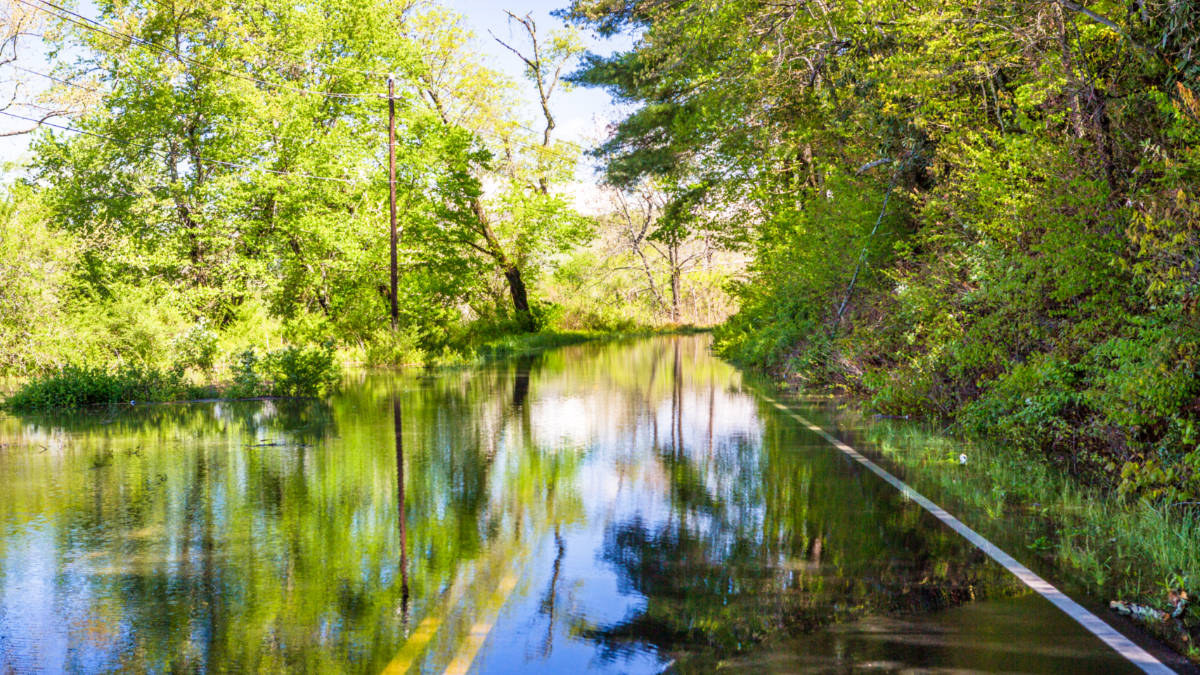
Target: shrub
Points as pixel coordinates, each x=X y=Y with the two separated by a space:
x=387 y=347
x=75 y=386
x=246 y=381
x=196 y=348
x=301 y=371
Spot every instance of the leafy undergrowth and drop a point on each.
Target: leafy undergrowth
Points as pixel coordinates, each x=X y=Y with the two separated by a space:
x=78 y=386
x=287 y=372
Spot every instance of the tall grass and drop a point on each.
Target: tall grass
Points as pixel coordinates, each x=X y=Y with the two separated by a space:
x=1109 y=545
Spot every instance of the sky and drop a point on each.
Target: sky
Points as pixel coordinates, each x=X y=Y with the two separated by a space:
x=581 y=113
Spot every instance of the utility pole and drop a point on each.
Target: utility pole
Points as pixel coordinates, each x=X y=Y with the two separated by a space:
x=392 y=187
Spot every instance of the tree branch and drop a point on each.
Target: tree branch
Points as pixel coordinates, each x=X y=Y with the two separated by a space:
x=1102 y=20
x=871 y=165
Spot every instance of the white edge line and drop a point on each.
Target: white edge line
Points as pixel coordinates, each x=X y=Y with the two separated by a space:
x=1109 y=635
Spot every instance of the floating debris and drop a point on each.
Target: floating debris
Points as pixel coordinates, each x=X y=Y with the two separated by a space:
x=1142 y=612
x=1178 y=601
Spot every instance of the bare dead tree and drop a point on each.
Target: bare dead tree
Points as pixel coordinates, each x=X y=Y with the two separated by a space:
x=19 y=98
x=544 y=65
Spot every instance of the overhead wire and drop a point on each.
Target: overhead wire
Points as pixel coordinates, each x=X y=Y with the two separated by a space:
x=275 y=139
x=57 y=79
x=110 y=139
x=96 y=26
x=494 y=136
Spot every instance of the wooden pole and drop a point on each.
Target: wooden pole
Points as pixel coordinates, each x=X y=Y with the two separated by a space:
x=392 y=188
x=399 y=430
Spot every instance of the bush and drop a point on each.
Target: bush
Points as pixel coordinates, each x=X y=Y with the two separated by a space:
x=246 y=381
x=196 y=348
x=387 y=347
x=291 y=371
x=301 y=371
x=75 y=386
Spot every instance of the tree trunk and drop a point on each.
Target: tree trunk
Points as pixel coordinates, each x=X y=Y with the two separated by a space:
x=675 y=291
x=520 y=298
x=676 y=274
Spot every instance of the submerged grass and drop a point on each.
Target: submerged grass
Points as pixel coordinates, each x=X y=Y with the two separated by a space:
x=1110 y=546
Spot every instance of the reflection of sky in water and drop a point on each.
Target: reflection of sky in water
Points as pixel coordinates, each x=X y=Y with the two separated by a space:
x=606 y=507
x=32 y=629
x=619 y=481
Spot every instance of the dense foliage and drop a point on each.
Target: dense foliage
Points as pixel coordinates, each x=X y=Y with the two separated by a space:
x=293 y=371
x=76 y=386
x=982 y=209
x=217 y=182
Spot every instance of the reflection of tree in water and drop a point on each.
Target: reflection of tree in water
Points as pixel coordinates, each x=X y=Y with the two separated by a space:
x=710 y=598
x=299 y=420
x=260 y=536
x=754 y=547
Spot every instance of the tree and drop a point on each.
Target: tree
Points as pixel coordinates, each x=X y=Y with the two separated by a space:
x=515 y=219
x=240 y=153
x=19 y=101
x=950 y=208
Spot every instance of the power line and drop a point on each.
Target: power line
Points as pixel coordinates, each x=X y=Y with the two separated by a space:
x=98 y=27
x=260 y=138
x=110 y=139
x=35 y=106
x=59 y=80
x=492 y=135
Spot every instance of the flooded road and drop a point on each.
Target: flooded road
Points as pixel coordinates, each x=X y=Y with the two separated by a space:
x=626 y=507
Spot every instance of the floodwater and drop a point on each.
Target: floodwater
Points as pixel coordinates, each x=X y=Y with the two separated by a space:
x=627 y=507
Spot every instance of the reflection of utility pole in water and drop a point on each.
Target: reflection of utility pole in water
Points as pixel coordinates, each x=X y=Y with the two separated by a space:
x=520 y=392
x=399 y=427
x=650 y=403
x=677 y=405
x=552 y=592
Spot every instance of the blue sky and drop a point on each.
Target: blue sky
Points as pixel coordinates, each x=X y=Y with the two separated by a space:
x=580 y=112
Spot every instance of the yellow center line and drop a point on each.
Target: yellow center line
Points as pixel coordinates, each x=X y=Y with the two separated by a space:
x=482 y=628
x=420 y=638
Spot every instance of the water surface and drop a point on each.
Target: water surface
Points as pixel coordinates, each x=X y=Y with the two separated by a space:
x=630 y=507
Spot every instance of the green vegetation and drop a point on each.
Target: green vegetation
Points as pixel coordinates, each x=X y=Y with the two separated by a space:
x=986 y=213
x=213 y=205
x=1109 y=545
x=983 y=210
x=77 y=386
x=287 y=372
